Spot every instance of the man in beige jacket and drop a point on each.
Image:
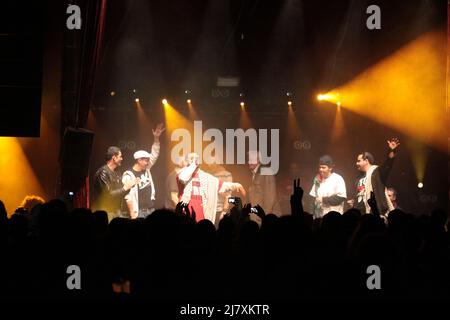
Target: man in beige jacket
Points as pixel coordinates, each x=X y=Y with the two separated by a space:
x=263 y=188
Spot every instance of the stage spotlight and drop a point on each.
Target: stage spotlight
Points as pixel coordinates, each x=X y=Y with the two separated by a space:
x=187 y=91
x=112 y=93
x=289 y=103
x=134 y=90
x=242 y=104
x=332 y=97
x=189 y=101
x=136 y=100
x=288 y=94
x=164 y=101
x=420 y=185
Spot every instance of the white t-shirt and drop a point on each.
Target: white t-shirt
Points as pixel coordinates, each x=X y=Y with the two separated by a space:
x=333 y=185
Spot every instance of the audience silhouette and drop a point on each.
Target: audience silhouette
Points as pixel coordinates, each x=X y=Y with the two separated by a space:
x=169 y=256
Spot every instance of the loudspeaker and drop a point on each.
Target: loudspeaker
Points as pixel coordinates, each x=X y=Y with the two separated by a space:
x=74 y=158
x=21 y=64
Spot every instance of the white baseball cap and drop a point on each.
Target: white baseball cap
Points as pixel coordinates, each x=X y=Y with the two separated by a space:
x=141 y=154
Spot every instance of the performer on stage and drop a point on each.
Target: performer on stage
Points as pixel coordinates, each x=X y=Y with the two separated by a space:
x=223 y=175
x=263 y=188
x=140 y=199
x=328 y=189
x=373 y=179
x=199 y=190
x=172 y=186
x=108 y=189
x=392 y=194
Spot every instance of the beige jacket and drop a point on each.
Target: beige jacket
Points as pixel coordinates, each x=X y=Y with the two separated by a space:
x=263 y=191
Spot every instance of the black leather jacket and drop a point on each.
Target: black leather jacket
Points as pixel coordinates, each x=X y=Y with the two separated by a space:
x=108 y=190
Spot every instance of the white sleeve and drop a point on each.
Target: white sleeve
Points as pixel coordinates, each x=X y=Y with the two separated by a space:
x=186 y=173
x=127 y=176
x=155 y=153
x=312 y=193
x=340 y=187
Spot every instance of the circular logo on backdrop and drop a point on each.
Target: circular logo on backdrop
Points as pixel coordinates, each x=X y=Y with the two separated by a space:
x=302 y=145
x=127 y=145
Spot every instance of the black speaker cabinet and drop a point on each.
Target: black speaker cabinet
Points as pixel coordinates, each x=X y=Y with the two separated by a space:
x=74 y=158
x=21 y=63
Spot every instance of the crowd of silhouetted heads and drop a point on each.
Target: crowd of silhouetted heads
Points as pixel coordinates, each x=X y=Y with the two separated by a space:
x=170 y=256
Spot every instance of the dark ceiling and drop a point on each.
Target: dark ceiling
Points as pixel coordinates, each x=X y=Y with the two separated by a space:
x=163 y=48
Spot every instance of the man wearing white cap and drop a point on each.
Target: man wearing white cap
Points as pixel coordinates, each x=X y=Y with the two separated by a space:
x=140 y=200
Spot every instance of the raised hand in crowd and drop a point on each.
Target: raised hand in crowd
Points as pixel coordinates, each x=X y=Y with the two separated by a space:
x=296 y=199
x=246 y=209
x=178 y=208
x=256 y=218
x=260 y=211
x=373 y=204
x=182 y=209
x=188 y=212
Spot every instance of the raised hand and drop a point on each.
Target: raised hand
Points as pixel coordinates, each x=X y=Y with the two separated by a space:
x=373 y=203
x=158 y=131
x=298 y=191
x=261 y=211
x=238 y=203
x=246 y=209
x=256 y=218
x=393 y=143
x=296 y=198
x=179 y=208
x=186 y=210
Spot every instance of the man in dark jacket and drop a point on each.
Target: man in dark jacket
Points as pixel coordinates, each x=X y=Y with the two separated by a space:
x=108 y=188
x=373 y=179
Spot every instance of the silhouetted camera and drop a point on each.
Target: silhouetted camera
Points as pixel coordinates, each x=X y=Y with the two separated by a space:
x=234 y=200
